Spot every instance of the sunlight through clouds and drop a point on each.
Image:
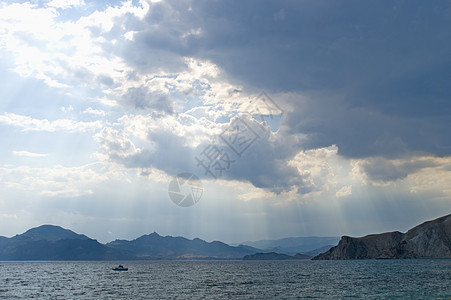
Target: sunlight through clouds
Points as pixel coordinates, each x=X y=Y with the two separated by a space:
x=47 y=48
x=107 y=101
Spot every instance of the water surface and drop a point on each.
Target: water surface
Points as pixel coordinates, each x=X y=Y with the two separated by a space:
x=417 y=279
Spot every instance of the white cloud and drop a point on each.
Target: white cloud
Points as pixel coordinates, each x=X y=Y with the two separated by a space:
x=65 y=3
x=129 y=35
x=8 y=217
x=319 y=168
x=344 y=191
x=433 y=180
x=255 y=193
x=171 y=143
x=62 y=53
x=96 y=112
x=115 y=144
x=54 y=181
x=30 y=124
x=81 y=54
x=192 y=130
x=66 y=109
x=28 y=154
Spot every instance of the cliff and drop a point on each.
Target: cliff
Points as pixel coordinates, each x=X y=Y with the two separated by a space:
x=431 y=239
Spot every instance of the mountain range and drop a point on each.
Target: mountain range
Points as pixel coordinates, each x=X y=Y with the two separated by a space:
x=431 y=239
x=308 y=245
x=49 y=242
x=155 y=246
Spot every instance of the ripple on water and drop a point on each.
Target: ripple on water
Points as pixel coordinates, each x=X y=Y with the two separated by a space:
x=418 y=279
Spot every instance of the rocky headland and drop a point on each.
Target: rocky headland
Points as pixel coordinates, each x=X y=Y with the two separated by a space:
x=431 y=239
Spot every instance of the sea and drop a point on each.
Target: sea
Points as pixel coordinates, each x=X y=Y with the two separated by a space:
x=295 y=279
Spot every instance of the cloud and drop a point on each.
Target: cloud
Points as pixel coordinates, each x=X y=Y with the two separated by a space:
x=432 y=180
x=68 y=53
x=67 y=109
x=381 y=171
x=30 y=124
x=8 y=216
x=363 y=131
x=96 y=54
x=142 y=98
x=95 y=112
x=344 y=191
x=116 y=144
x=55 y=181
x=367 y=78
x=265 y=162
x=362 y=138
x=64 y=4
x=176 y=144
x=325 y=173
x=165 y=142
x=28 y=154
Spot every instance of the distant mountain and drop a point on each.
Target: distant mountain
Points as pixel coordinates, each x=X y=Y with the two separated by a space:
x=275 y=256
x=318 y=251
x=51 y=233
x=49 y=242
x=154 y=246
x=431 y=239
x=293 y=245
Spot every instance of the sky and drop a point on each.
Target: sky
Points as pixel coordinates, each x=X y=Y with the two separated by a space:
x=291 y=118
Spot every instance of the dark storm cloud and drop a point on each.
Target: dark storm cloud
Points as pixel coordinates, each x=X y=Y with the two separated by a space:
x=299 y=45
x=375 y=73
x=371 y=77
x=365 y=131
x=380 y=170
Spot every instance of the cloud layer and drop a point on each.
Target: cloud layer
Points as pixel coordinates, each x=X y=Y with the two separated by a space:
x=125 y=95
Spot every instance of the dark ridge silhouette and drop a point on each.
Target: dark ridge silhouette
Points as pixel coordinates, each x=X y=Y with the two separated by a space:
x=49 y=242
x=432 y=239
x=155 y=246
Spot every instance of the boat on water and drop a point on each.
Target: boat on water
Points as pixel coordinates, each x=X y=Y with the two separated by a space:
x=120 y=268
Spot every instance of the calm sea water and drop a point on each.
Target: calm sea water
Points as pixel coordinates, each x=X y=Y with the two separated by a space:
x=406 y=279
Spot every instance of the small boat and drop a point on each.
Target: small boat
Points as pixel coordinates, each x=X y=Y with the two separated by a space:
x=120 y=268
